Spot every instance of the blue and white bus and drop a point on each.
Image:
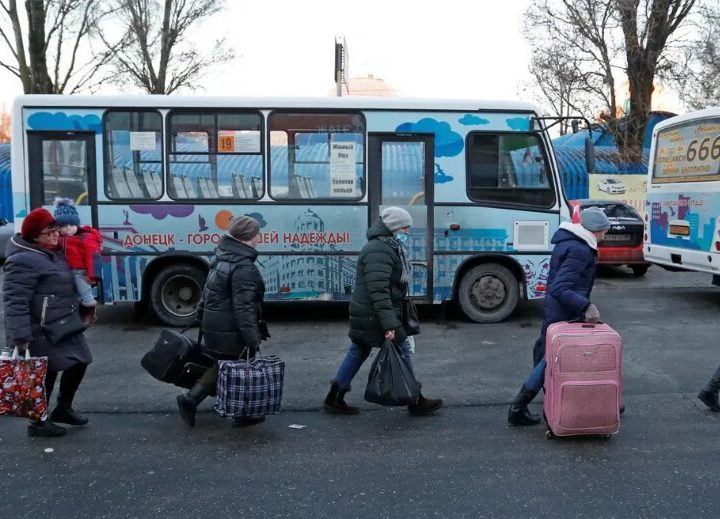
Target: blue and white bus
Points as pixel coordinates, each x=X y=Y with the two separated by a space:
x=161 y=177
x=683 y=198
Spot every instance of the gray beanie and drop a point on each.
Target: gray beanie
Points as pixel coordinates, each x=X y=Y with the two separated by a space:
x=395 y=218
x=594 y=219
x=243 y=228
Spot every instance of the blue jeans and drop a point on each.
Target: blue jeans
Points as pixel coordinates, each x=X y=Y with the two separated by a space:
x=537 y=377
x=355 y=357
x=84 y=288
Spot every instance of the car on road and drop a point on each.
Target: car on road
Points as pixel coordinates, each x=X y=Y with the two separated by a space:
x=612 y=186
x=7 y=229
x=623 y=243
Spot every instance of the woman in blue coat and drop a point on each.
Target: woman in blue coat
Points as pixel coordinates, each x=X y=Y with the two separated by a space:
x=38 y=281
x=570 y=281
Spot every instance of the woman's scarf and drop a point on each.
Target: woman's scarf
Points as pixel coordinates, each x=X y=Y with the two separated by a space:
x=396 y=244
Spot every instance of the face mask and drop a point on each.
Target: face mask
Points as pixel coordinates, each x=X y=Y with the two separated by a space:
x=402 y=237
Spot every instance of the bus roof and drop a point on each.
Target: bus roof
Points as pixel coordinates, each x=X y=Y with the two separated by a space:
x=690 y=116
x=346 y=103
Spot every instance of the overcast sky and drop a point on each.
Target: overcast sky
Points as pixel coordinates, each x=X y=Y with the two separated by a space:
x=453 y=49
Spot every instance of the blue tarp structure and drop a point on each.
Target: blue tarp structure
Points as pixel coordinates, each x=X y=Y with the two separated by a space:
x=6 y=207
x=570 y=153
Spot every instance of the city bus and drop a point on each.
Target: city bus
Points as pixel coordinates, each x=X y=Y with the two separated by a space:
x=162 y=176
x=683 y=197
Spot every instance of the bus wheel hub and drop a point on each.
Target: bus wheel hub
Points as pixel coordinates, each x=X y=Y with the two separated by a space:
x=488 y=292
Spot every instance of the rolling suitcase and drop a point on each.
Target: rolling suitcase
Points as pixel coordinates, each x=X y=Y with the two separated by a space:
x=583 y=379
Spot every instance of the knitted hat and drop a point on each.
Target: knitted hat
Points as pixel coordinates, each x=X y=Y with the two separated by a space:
x=33 y=224
x=65 y=212
x=395 y=218
x=594 y=219
x=243 y=228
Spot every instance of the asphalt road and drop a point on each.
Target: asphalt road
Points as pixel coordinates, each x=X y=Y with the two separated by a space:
x=137 y=459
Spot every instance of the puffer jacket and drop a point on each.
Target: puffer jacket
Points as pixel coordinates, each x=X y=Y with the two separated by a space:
x=572 y=273
x=232 y=300
x=376 y=301
x=33 y=276
x=82 y=251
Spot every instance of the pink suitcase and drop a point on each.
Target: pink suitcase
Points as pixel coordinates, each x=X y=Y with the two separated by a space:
x=583 y=379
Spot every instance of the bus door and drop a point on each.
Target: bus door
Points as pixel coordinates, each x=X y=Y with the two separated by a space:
x=401 y=174
x=62 y=164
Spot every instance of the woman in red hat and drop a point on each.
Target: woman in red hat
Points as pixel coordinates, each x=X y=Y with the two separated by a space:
x=39 y=287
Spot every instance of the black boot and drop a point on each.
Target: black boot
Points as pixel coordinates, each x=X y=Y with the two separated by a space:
x=64 y=413
x=187 y=403
x=709 y=394
x=45 y=430
x=243 y=421
x=335 y=401
x=425 y=405
x=519 y=414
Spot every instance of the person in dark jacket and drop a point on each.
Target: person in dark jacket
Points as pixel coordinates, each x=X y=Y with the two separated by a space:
x=381 y=284
x=37 y=278
x=709 y=394
x=570 y=281
x=231 y=312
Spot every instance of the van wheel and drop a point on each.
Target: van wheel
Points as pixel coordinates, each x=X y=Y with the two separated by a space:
x=639 y=270
x=488 y=293
x=175 y=294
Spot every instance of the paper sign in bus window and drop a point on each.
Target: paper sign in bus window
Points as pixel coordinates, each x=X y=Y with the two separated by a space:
x=142 y=141
x=239 y=141
x=342 y=169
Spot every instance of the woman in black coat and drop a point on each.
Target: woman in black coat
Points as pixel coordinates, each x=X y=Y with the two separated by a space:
x=37 y=278
x=231 y=310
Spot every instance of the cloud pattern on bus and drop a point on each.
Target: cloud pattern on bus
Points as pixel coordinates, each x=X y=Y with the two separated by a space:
x=472 y=120
x=160 y=212
x=521 y=124
x=447 y=142
x=62 y=121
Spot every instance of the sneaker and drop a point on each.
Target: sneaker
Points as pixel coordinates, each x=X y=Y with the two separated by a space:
x=45 y=430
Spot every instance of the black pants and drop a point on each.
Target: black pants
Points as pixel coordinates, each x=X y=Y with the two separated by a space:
x=69 y=382
x=209 y=378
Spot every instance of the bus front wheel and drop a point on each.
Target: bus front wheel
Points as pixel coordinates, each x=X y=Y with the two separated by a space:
x=175 y=294
x=488 y=293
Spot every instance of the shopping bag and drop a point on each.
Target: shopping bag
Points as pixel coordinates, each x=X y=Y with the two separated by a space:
x=250 y=387
x=391 y=381
x=22 y=386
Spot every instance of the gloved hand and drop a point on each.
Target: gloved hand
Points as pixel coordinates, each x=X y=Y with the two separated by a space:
x=592 y=314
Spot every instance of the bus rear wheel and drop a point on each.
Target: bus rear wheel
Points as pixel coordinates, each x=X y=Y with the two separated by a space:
x=175 y=294
x=639 y=270
x=488 y=293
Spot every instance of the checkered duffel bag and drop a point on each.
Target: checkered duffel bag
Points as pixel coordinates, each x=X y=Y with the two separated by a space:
x=250 y=387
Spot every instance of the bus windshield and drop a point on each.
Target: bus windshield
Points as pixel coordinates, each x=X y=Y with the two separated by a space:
x=688 y=152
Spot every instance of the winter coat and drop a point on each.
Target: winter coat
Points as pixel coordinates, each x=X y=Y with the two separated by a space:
x=32 y=276
x=232 y=300
x=572 y=273
x=82 y=251
x=376 y=302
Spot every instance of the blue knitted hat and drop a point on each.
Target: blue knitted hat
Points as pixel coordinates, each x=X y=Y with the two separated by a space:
x=65 y=212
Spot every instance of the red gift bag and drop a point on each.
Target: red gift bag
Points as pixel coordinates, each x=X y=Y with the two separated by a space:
x=22 y=386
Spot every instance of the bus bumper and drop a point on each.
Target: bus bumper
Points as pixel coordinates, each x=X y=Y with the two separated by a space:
x=701 y=261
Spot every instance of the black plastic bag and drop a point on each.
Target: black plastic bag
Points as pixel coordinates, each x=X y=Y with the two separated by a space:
x=390 y=381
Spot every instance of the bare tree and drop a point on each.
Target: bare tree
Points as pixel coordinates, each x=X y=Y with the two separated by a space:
x=50 y=44
x=697 y=75
x=156 y=55
x=612 y=38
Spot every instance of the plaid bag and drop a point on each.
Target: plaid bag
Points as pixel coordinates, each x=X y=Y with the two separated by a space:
x=250 y=387
x=22 y=386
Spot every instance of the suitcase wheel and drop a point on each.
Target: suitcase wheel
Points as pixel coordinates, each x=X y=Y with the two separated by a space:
x=549 y=435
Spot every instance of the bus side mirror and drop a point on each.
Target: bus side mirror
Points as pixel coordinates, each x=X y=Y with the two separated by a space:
x=575 y=125
x=589 y=155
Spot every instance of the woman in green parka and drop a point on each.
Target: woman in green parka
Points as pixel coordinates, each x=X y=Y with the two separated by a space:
x=381 y=285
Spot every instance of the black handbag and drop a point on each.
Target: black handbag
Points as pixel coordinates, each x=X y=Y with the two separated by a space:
x=410 y=318
x=391 y=382
x=176 y=359
x=63 y=328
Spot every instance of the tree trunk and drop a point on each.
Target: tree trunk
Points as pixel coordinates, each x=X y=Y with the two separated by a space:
x=40 y=78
